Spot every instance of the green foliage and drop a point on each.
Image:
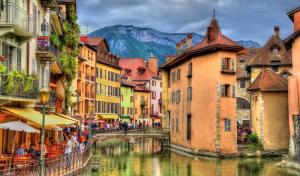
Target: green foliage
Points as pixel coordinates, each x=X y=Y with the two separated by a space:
x=18 y=82
x=55 y=39
x=2 y=68
x=254 y=142
x=69 y=51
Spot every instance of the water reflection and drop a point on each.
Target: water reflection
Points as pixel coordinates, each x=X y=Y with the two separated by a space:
x=145 y=158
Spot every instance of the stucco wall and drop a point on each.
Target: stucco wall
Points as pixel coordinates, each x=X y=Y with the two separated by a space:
x=206 y=79
x=270 y=119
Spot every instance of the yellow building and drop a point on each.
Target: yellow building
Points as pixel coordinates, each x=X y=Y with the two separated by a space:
x=141 y=105
x=107 y=91
x=108 y=81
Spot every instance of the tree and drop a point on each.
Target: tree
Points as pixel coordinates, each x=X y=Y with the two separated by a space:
x=69 y=52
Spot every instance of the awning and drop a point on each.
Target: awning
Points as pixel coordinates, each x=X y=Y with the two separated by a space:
x=109 y=116
x=18 y=126
x=125 y=116
x=68 y=117
x=36 y=117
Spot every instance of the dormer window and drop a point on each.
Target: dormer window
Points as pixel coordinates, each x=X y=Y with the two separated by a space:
x=141 y=70
x=275 y=50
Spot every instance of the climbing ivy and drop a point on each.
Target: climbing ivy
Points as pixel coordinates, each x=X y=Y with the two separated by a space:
x=69 y=52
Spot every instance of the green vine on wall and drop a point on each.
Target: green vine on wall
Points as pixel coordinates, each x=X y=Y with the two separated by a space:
x=69 y=52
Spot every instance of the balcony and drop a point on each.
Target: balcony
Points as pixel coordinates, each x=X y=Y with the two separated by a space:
x=87 y=95
x=15 y=20
x=24 y=91
x=45 y=50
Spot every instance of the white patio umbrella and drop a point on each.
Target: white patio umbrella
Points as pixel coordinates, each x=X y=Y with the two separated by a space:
x=18 y=126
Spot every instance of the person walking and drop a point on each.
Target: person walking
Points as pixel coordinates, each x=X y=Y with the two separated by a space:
x=68 y=150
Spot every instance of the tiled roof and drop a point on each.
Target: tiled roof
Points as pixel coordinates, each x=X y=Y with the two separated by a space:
x=127 y=83
x=265 y=56
x=94 y=41
x=133 y=65
x=214 y=40
x=268 y=81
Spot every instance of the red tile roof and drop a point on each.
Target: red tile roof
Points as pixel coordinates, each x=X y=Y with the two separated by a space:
x=264 y=57
x=127 y=83
x=214 y=40
x=134 y=65
x=268 y=81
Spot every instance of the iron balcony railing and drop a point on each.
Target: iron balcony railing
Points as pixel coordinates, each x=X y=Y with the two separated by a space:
x=143 y=102
x=13 y=15
x=17 y=88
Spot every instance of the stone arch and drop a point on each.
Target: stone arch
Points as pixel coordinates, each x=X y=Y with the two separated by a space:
x=243 y=103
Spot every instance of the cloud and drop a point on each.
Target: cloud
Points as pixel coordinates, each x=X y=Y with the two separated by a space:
x=239 y=19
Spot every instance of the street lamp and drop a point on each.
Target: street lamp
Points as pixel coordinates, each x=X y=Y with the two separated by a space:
x=44 y=98
x=91 y=106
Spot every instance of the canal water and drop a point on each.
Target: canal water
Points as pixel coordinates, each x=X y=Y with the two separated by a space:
x=145 y=158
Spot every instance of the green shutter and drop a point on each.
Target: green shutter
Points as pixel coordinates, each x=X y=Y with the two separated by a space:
x=232 y=64
x=223 y=64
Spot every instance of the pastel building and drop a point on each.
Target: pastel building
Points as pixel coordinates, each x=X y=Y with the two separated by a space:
x=145 y=74
x=201 y=94
x=142 y=105
x=127 y=102
x=85 y=83
x=292 y=42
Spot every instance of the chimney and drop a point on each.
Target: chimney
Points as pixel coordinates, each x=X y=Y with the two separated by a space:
x=276 y=30
x=190 y=40
x=153 y=64
x=296 y=21
x=183 y=42
x=178 y=48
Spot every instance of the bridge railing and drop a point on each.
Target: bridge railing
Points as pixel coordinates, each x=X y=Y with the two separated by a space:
x=145 y=130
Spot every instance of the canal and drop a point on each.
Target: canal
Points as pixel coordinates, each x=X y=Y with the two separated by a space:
x=145 y=158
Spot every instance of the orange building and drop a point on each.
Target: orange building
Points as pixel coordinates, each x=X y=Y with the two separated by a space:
x=201 y=87
x=293 y=42
x=85 y=78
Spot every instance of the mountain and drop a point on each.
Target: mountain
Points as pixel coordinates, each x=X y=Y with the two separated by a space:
x=130 y=41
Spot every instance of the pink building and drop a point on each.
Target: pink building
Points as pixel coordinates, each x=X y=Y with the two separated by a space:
x=146 y=73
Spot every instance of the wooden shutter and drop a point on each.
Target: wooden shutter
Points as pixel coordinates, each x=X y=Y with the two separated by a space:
x=233 y=90
x=232 y=64
x=223 y=64
x=222 y=90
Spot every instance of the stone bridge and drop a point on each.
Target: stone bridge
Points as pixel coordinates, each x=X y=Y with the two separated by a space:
x=161 y=135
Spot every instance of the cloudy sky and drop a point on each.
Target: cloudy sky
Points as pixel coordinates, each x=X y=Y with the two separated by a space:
x=239 y=19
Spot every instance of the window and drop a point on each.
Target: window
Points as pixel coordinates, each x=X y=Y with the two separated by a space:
x=178 y=96
x=131 y=98
x=178 y=75
x=97 y=72
x=189 y=93
x=233 y=90
x=173 y=76
x=189 y=127
x=190 y=69
x=153 y=83
x=227 y=125
x=228 y=64
x=275 y=68
x=242 y=84
x=153 y=95
x=225 y=90
x=160 y=84
x=101 y=73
